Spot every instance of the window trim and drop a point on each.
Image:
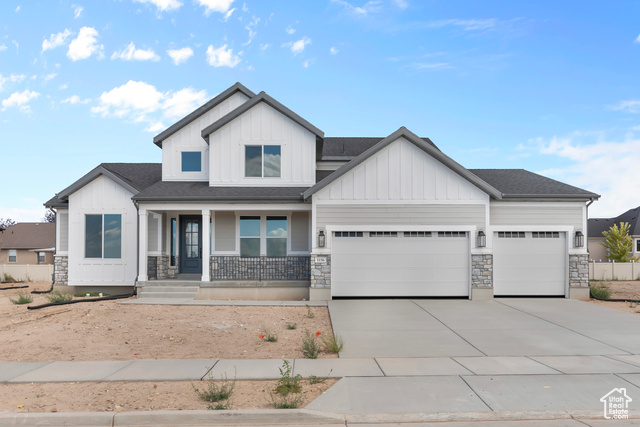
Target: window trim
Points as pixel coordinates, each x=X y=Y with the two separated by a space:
x=182 y=162
x=637 y=245
x=44 y=257
x=263 y=232
x=102 y=236
x=262 y=146
x=14 y=256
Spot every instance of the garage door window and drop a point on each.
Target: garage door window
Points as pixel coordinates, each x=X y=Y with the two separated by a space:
x=383 y=234
x=417 y=234
x=545 y=235
x=452 y=234
x=511 y=235
x=348 y=234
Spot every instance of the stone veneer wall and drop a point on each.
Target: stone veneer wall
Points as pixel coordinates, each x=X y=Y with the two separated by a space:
x=482 y=271
x=61 y=269
x=152 y=267
x=579 y=271
x=260 y=268
x=320 y=271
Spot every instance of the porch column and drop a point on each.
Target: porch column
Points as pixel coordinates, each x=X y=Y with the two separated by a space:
x=142 y=245
x=206 y=244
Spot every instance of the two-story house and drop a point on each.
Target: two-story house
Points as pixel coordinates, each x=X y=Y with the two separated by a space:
x=253 y=201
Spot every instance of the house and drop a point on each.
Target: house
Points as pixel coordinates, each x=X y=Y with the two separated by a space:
x=253 y=201
x=597 y=226
x=27 y=243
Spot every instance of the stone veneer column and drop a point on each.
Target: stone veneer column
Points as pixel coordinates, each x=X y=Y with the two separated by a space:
x=320 y=277
x=579 y=271
x=482 y=276
x=163 y=267
x=61 y=269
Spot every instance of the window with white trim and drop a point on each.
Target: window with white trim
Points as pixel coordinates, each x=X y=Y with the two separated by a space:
x=41 y=258
x=191 y=161
x=262 y=161
x=13 y=255
x=275 y=237
x=103 y=236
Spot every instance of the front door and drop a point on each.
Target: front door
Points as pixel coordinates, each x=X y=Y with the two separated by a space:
x=191 y=244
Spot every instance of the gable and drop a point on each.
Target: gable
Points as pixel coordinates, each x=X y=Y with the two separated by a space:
x=401 y=171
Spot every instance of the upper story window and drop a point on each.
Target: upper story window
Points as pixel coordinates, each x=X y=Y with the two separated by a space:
x=103 y=236
x=262 y=161
x=191 y=161
x=13 y=255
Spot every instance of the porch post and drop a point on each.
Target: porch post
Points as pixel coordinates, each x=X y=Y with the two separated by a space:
x=206 y=244
x=142 y=245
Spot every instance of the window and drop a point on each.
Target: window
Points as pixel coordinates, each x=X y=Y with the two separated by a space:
x=276 y=236
x=262 y=161
x=638 y=245
x=417 y=234
x=452 y=233
x=511 y=234
x=13 y=255
x=348 y=234
x=103 y=236
x=191 y=161
x=41 y=258
x=249 y=236
x=545 y=235
x=383 y=234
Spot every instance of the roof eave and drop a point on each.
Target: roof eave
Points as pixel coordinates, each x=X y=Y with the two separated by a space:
x=553 y=197
x=219 y=200
x=238 y=87
x=95 y=173
x=261 y=97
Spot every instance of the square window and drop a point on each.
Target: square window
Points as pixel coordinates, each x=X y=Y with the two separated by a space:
x=191 y=161
x=262 y=161
x=103 y=236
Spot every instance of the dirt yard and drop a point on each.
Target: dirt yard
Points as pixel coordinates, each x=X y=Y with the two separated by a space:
x=621 y=290
x=108 y=330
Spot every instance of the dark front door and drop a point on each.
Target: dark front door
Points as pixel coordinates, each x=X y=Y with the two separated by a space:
x=191 y=244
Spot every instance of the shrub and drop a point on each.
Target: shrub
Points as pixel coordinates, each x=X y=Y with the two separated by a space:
x=287 y=401
x=601 y=291
x=333 y=343
x=269 y=336
x=57 y=296
x=287 y=386
x=310 y=314
x=23 y=298
x=217 y=392
x=9 y=279
x=292 y=326
x=310 y=348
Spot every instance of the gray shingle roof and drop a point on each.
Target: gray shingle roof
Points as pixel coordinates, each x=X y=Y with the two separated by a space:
x=200 y=191
x=29 y=235
x=238 y=87
x=350 y=147
x=597 y=225
x=520 y=183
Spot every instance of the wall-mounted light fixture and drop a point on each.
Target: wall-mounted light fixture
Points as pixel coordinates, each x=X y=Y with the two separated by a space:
x=322 y=239
x=579 y=239
x=481 y=240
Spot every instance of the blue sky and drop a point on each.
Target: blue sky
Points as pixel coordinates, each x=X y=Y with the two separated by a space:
x=551 y=87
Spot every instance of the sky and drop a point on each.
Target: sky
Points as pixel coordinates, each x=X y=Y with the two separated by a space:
x=547 y=86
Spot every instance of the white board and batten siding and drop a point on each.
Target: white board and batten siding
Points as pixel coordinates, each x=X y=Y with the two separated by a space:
x=537 y=214
x=262 y=125
x=102 y=196
x=62 y=231
x=189 y=138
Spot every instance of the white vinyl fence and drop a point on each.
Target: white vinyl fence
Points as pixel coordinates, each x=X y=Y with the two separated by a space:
x=34 y=273
x=614 y=270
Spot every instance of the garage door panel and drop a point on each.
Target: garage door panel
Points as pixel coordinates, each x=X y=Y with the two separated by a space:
x=400 y=266
x=530 y=266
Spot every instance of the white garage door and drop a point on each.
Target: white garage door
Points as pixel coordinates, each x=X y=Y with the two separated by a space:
x=390 y=263
x=529 y=263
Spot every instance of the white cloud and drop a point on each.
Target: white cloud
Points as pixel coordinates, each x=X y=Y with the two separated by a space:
x=298 y=46
x=85 y=45
x=431 y=65
x=130 y=53
x=228 y=14
x=221 y=6
x=20 y=100
x=264 y=46
x=333 y=50
x=3 y=47
x=13 y=78
x=402 y=4
x=364 y=10
x=290 y=30
x=606 y=167
x=180 y=55
x=77 y=10
x=56 y=40
x=222 y=57
x=75 y=99
x=637 y=40
x=308 y=62
x=465 y=24
x=163 y=5
x=16 y=44
x=251 y=28
x=63 y=86
x=629 y=106
x=141 y=102
x=17 y=9
x=183 y=102
x=49 y=77
x=245 y=8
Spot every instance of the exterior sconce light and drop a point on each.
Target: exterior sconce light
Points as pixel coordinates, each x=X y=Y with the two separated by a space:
x=481 y=240
x=579 y=239
x=322 y=239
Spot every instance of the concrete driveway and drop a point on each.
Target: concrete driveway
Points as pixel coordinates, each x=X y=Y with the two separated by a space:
x=502 y=327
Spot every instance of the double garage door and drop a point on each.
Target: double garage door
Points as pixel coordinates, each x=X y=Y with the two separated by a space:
x=437 y=263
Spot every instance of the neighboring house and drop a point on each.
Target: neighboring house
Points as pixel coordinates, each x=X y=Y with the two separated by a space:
x=253 y=201
x=28 y=243
x=597 y=252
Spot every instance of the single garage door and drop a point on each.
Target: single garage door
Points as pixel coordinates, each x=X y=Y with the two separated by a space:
x=529 y=263
x=397 y=263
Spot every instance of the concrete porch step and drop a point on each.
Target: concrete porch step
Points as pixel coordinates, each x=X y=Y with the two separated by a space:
x=176 y=295
x=164 y=289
